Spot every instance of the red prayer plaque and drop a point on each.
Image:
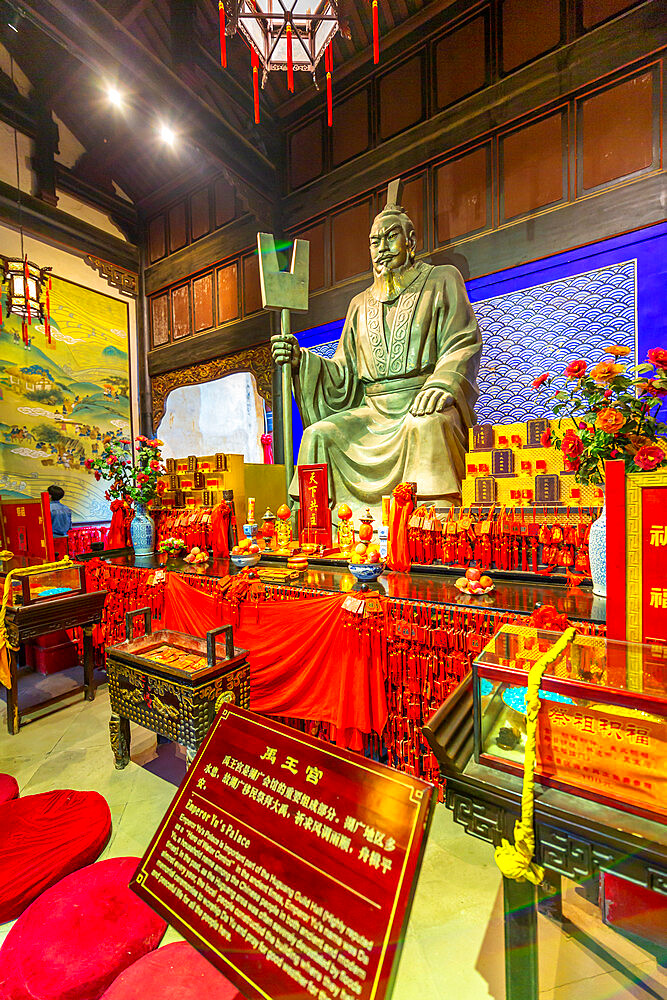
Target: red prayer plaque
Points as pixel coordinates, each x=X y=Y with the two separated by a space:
x=314 y=513
x=290 y=863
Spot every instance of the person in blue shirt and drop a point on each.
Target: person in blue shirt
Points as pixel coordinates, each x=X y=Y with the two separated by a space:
x=61 y=516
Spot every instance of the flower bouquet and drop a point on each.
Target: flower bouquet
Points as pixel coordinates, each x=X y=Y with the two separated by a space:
x=171 y=546
x=611 y=412
x=132 y=477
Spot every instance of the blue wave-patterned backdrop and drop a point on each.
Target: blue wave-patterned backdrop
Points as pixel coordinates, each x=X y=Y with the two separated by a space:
x=543 y=327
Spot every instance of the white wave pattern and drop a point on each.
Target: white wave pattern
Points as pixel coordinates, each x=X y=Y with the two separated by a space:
x=30 y=452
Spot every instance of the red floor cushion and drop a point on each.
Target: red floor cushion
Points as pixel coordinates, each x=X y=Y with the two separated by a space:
x=175 y=972
x=79 y=936
x=45 y=837
x=9 y=788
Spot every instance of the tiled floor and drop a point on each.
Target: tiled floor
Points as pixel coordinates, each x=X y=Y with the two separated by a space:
x=454 y=941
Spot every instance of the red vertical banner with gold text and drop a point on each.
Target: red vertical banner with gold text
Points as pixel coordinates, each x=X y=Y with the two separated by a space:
x=314 y=513
x=654 y=583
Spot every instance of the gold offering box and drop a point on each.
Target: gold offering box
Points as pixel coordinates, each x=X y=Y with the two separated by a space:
x=602 y=721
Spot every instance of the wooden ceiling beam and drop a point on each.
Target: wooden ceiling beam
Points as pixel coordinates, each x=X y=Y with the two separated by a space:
x=94 y=36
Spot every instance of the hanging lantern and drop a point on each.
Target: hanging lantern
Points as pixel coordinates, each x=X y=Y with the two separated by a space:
x=286 y=36
x=25 y=283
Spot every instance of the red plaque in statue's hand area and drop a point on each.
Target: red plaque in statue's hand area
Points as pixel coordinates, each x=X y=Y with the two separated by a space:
x=291 y=864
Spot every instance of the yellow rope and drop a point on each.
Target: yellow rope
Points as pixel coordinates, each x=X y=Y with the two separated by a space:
x=5 y=644
x=516 y=860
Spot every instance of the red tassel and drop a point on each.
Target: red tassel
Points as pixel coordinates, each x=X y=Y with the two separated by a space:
x=290 y=64
x=255 y=82
x=223 y=40
x=24 y=331
x=376 y=33
x=328 y=62
x=1 y=319
x=26 y=289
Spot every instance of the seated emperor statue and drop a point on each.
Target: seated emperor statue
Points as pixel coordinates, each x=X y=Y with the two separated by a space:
x=395 y=402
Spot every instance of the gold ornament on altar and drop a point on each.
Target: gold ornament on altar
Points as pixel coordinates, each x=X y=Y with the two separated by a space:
x=345 y=535
x=283 y=531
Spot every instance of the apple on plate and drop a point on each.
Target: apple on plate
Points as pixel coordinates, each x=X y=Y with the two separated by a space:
x=254 y=549
x=373 y=557
x=473 y=574
x=474 y=586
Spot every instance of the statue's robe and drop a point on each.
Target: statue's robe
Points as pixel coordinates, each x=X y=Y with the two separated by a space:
x=355 y=406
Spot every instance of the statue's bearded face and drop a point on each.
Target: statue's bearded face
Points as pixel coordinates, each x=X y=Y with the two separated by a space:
x=392 y=248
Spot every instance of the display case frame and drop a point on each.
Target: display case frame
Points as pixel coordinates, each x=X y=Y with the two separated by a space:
x=578 y=716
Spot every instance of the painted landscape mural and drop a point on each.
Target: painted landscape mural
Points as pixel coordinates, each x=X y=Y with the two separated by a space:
x=60 y=402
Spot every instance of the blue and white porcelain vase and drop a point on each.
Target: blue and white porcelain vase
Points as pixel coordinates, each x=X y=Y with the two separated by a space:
x=597 y=552
x=142 y=531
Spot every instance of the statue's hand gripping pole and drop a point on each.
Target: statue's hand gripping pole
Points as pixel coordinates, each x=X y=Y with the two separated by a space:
x=286 y=291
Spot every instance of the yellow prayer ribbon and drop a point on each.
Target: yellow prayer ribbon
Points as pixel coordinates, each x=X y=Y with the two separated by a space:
x=516 y=860
x=5 y=644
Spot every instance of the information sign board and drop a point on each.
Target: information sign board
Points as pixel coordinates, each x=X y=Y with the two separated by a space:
x=288 y=862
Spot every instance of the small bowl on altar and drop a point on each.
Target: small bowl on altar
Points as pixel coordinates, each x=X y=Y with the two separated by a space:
x=366 y=572
x=243 y=560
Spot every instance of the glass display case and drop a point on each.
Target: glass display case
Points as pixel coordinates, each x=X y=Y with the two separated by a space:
x=602 y=729
x=59 y=581
x=52 y=582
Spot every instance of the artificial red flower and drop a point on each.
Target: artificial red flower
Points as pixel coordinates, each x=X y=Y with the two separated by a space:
x=97 y=475
x=658 y=357
x=617 y=351
x=540 y=380
x=607 y=394
x=154 y=464
x=572 y=445
x=609 y=420
x=571 y=464
x=160 y=487
x=649 y=457
x=88 y=463
x=649 y=388
x=606 y=371
x=111 y=459
x=576 y=369
x=545 y=440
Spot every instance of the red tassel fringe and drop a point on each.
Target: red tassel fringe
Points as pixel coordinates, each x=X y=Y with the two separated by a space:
x=223 y=40
x=255 y=82
x=26 y=289
x=290 y=64
x=376 y=33
x=328 y=63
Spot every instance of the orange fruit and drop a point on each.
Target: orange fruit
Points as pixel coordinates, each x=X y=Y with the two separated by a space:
x=365 y=532
x=486 y=581
x=360 y=548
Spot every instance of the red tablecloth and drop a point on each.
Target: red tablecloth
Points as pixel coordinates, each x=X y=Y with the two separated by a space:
x=306 y=661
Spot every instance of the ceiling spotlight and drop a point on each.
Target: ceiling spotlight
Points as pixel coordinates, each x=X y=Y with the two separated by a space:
x=114 y=96
x=167 y=134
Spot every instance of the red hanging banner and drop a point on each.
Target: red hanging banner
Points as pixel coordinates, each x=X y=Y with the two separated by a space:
x=376 y=33
x=290 y=64
x=255 y=82
x=223 y=40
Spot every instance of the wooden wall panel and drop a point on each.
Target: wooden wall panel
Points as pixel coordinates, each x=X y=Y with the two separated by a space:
x=532 y=166
x=306 y=159
x=460 y=62
x=160 y=319
x=350 y=134
x=178 y=227
x=228 y=293
x=529 y=28
x=225 y=202
x=401 y=99
x=316 y=236
x=181 y=324
x=200 y=213
x=350 y=230
x=202 y=302
x=617 y=131
x=157 y=238
x=462 y=196
x=413 y=203
x=252 y=293
x=596 y=11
